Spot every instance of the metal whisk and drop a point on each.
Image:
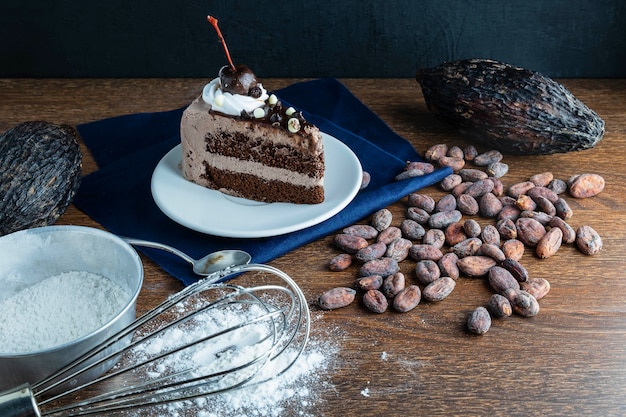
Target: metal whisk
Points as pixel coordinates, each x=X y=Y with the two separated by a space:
x=206 y=339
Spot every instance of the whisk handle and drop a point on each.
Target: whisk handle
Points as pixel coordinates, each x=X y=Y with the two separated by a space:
x=18 y=402
x=154 y=245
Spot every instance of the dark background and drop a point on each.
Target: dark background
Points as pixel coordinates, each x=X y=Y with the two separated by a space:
x=298 y=38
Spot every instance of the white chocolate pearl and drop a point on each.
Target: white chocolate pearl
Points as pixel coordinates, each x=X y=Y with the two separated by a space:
x=293 y=125
x=259 y=113
x=290 y=111
x=272 y=100
x=219 y=100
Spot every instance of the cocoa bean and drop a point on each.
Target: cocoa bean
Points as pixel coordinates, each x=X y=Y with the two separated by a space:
x=373 y=251
x=467 y=204
x=375 y=301
x=420 y=252
x=434 y=237
x=455 y=152
x=407 y=299
x=366 y=178
x=418 y=215
x=509 y=211
x=540 y=216
x=449 y=182
x=516 y=269
x=542 y=179
x=520 y=188
x=501 y=280
x=461 y=188
x=563 y=209
x=492 y=251
x=467 y=247
x=479 y=321
x=545 y=205
x=442 y=219
x=550 y=243
x=389 y=234
x=373 y=282
x=558 y=186
x=447 y=265
x=336 y=298
x=361 y=230
x=569 y=234
x=423 y=201
x=436 y=151
x=409 y=173
x=498 y=187
x=499 y=306
x=380 y=266
x=524 y=202
x=340 y=262
x=472 y=174
x=454 y=163
x=475 y=266
x=455 y=233
x=529 y=231
x=544 y=192
x=513 y=249
x=588 y=240
x=479 y=188
x=489 y=205
x=523 y=303
x=425 y=167
x=586 y=185
x=507 y=229
x=412 y=230
x=427 y=271
x=349 y=243
x=497 y=169
x=399 y=249
x=472 y=228
x=446 y=203
x=490 y=235
x=537 y=287
x=439 y=289
x=470 y=152
x=487 y=158
x=393 y=284
x=382 y=219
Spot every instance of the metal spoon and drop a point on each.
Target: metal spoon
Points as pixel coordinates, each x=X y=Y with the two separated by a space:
x=207 y=265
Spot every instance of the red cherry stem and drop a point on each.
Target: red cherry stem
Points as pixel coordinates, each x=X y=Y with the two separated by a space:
x=213 y=21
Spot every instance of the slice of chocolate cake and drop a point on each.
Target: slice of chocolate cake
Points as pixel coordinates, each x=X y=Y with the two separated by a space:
x=242 y=141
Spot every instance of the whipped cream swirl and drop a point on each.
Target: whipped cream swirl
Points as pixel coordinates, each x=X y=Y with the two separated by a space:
x=231 y=104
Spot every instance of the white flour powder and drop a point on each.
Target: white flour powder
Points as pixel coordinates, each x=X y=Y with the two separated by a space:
x=57 y=310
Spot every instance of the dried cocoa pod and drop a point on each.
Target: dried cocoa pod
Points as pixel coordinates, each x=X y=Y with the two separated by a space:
x=523 y=303
x=423 y=201
x=515 y=268
x=375 y=301
x=447 y=265
x=336 y=298
x=550 y=243
x=399 y=249
x=479 y=321
x=569 y=234
x=442 y=219
x=340 y=262
x=373 y=251
x=349 y=243
x=501 y=280
x=509 y=108
x=427 y=271
x=588 y=240
x=407 y=299
x=389 y=234
x=475 y=266
x=529 y=231
x=382 y=219
x=373 y=282
x=412 y=230
x=434 y=237
x=446 y=203
x=455 y=233
x=393 y=284
x=586 y=185
x=439 y=290
x=40 y=172
x=380 y=266
x=537 y=287
x=467 y=247
x=499 y=306
x=361 y=230
x=420 y=252
x=513 y=249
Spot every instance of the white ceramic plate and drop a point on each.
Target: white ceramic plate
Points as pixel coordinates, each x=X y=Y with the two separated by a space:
x=212 y=212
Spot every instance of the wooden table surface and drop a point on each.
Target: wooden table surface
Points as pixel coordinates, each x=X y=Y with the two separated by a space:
x=570 y=359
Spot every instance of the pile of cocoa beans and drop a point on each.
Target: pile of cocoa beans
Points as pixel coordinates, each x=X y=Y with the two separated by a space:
x=529 y=215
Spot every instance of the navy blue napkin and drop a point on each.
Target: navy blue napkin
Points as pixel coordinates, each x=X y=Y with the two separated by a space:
x=128 y=148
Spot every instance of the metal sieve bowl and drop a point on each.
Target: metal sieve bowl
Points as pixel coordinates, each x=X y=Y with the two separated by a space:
x=30 y=256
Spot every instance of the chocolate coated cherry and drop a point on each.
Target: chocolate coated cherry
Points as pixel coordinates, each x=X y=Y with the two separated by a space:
x=238 y=81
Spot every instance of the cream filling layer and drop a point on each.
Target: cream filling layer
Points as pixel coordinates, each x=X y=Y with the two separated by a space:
x=230 y=164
